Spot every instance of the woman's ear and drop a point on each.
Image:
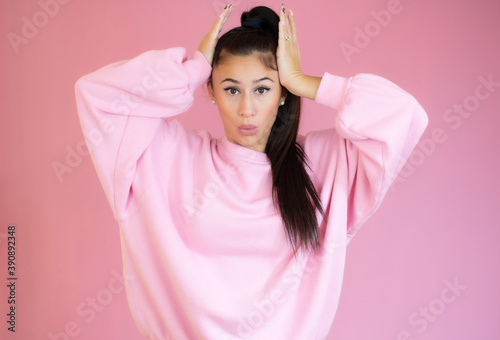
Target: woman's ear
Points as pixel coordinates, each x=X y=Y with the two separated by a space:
x=284 y=93
x=210 y=90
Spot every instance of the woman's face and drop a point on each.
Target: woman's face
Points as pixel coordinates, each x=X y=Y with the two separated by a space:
x=248 y=95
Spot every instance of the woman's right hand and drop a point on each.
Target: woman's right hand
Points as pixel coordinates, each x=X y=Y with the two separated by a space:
x=209 y=41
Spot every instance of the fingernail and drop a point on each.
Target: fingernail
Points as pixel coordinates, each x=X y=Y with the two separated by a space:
x=283 y=7
x=231 y=5
x=291 y=12
x=225 y=7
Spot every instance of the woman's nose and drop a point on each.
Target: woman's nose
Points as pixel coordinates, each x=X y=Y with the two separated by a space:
x=247 y=107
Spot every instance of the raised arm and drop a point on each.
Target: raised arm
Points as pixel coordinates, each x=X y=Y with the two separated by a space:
x=377 y=126
x=288 y=58
x=130 y=100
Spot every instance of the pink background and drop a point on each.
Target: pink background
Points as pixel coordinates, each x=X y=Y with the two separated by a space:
x=438 y=226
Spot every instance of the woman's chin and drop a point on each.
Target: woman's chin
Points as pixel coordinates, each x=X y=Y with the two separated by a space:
x=250 y=143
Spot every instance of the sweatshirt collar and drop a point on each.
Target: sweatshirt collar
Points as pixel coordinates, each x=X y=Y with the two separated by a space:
x=236 y=150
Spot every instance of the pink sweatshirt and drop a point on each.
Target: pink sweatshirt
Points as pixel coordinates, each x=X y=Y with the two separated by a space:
x=203 y=247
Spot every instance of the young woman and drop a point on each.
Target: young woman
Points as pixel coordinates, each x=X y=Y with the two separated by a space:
x=243 y=236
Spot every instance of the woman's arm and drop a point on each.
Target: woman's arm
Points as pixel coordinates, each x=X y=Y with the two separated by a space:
x=129 y=100
x=305 y=86
x=288 y=57
x=377 y=126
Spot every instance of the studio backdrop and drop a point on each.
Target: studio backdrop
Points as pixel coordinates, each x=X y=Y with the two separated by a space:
x=425 y=266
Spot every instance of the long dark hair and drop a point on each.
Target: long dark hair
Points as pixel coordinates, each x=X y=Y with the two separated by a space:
x=293 y=191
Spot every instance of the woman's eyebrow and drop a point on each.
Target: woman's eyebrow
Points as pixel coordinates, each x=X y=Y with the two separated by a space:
x=255 y=81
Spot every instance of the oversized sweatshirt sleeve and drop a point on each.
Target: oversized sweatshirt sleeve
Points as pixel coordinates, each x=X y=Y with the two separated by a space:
x=123 y=105
x=377 y=126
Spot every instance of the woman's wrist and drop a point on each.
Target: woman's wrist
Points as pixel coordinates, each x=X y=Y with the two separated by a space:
x=304 y=86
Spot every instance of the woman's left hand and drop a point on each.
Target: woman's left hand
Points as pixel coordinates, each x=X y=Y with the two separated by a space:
x=288 y=57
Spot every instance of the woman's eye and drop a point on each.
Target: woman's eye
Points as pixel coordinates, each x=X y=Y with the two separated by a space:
x=231 y=90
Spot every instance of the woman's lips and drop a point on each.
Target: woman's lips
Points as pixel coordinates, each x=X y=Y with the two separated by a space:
x=247 y=130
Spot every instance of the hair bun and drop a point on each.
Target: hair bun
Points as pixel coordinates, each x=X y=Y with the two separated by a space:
x=251 y=22
x=261 y=18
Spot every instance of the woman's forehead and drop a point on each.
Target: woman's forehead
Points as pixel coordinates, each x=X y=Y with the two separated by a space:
x=243 y=68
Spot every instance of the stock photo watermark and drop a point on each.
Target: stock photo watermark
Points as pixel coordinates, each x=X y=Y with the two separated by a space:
x=201 y=198
x=265 y=308
x=31 y=26
x=430 y=312
x=219 y=5
x=95 y=136
x=92 y=306
x=363 y=36
x=454 y=117
x=74 y=155
x=11 y=276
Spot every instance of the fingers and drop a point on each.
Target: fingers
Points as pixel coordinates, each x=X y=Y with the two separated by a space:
x=293 y=28
x=288 y=54
x=221 y=20
x=209 y=41
x=283 y=27
x=287 y=25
